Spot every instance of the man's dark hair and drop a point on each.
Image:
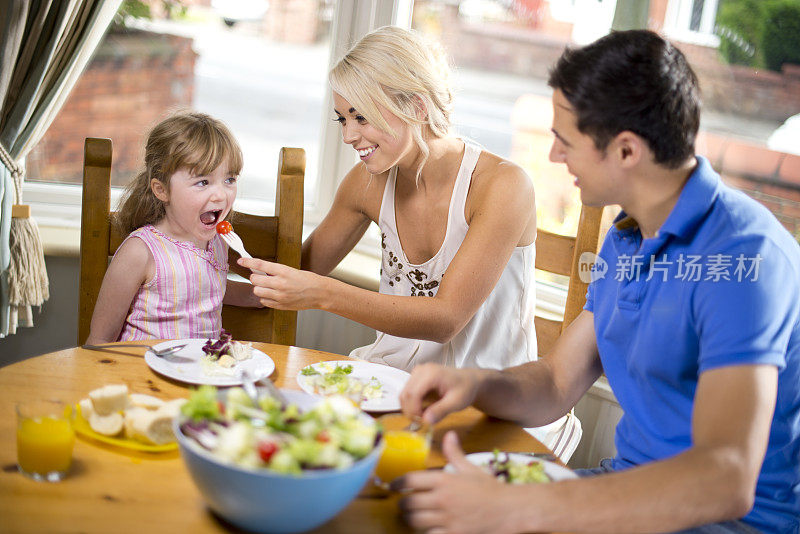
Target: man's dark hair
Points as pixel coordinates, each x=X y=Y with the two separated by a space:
x=635 y=81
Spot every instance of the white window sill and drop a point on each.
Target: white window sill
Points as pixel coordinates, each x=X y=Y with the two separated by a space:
x=692 y=37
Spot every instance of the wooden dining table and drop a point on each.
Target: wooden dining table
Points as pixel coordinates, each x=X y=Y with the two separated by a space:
x=111 y=489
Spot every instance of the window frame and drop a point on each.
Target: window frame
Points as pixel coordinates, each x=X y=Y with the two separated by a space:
x=677 y=22
x=58 y=206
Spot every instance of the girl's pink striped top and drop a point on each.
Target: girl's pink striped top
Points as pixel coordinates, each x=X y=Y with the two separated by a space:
x=184 y=298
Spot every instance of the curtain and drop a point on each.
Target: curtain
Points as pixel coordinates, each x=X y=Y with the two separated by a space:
x=44 y=47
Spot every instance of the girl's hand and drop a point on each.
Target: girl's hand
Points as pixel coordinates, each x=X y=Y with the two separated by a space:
x=467 y=501
x=283 y=287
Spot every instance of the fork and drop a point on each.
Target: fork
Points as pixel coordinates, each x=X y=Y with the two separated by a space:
x=235 y=242
x=161 y=353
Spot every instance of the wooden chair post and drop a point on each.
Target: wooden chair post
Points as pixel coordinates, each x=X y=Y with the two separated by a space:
x=585 y=241
x=289 y=210
x=561 y=255
x=95 y=228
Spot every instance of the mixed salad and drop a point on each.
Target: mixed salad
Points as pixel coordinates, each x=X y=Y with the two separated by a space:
x=504 y=468
x=327 y=379
x=268 y=435
x=222 y=354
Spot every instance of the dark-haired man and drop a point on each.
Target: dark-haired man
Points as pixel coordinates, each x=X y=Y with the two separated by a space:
x=695 y=320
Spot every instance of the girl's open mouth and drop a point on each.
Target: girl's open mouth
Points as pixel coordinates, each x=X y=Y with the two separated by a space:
x=210 y=218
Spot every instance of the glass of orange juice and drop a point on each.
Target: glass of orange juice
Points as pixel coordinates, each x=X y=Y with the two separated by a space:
x=44 y=439
x=404 y=450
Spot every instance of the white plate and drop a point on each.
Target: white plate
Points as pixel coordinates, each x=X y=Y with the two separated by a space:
x=553 y=470
x=392 y=381
x=260 y=365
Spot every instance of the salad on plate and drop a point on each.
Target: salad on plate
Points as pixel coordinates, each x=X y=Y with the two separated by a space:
x=327 y=379
x=221 y=355
x=513 y=471
x=268 y=435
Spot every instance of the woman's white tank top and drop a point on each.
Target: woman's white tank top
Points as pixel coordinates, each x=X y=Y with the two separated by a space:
x=500 y=334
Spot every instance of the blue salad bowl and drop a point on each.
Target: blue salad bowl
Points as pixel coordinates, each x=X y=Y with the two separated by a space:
x=260 y=500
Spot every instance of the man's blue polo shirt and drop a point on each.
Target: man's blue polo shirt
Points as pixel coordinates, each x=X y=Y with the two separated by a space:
x=718 y=285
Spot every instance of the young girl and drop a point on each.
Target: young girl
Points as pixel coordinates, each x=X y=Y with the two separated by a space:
x=168 y=278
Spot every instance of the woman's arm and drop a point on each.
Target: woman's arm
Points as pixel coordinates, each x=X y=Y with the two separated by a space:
x=500 y=215
x=131 y=267
x=344 y=224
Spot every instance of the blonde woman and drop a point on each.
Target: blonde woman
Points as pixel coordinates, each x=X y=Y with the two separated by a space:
x=458 y=226
x=442 y=205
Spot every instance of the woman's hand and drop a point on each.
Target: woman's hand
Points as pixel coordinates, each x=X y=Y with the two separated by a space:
x=283 y=287
x=467 y=501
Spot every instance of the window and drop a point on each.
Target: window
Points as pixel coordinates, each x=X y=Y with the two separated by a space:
x=502 y=49
x=274 y=92
x=692 y=21
x=264 y=75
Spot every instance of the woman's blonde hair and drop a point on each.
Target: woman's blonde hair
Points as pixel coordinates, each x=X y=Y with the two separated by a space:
x=399 y=70
x=184 y=140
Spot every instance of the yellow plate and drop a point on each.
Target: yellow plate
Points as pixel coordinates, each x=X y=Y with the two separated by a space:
x=82 y=427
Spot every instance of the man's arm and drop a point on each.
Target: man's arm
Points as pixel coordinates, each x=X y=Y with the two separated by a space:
x=712 y=481
x=532 y=394
x=540 y=392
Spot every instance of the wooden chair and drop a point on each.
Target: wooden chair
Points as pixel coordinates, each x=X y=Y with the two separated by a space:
x=277 y=238
x=561 y=255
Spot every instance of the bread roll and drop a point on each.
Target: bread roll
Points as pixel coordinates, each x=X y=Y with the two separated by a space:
x=131 y=414
x=153 y=426
x=108 y=425
x=140 y=400
x=109 y=399
x=86 y=408
x=173 y=407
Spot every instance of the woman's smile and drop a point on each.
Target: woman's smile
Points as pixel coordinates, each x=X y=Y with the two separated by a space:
x=366 y=152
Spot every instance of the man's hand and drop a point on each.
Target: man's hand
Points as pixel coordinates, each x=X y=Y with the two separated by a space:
x=455 y=389
x=467 y=501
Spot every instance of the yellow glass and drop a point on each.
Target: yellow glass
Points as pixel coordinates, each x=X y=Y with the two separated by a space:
x=45 y=439
x=404 y=450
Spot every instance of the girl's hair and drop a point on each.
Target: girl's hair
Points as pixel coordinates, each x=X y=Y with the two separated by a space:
x=399 y=70
x=184 y=140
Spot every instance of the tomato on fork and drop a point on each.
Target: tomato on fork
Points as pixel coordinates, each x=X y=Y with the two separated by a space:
x=224 y=227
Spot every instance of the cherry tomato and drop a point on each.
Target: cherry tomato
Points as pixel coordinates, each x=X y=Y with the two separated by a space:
x=266 y=449
x=224 y=227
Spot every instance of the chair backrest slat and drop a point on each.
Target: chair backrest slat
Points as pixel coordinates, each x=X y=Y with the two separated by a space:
x=560 y=254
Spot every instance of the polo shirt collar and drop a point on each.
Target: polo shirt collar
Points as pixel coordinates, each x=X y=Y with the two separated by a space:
x=693 y=204
x=698 y=195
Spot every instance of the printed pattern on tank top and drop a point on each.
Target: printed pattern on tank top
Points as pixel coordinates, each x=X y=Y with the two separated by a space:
x=420 y=285
x=501 y=332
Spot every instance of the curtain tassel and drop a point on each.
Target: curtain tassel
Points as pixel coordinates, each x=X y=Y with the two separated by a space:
x=28 y=284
